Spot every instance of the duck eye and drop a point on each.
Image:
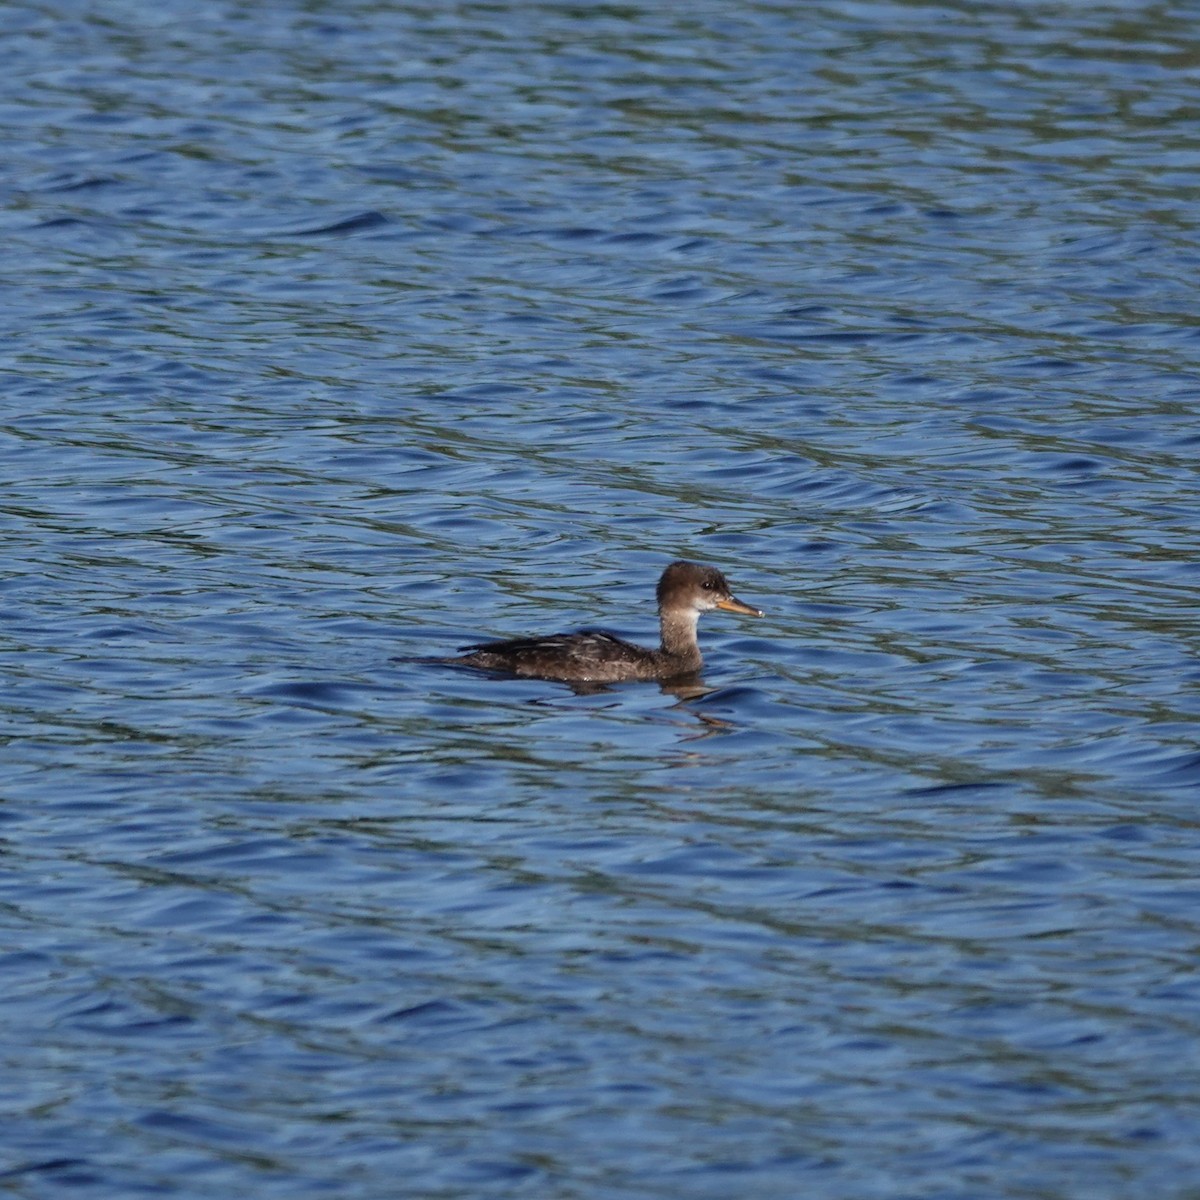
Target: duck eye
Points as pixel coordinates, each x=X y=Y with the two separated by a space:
x=707 y=585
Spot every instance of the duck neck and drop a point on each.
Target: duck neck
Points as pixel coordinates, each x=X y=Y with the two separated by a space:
x=679 y=633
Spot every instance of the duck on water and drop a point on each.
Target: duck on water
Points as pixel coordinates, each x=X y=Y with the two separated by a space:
x=685 y=590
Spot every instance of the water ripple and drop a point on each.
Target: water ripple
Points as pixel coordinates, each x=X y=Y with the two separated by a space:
x=380 y=331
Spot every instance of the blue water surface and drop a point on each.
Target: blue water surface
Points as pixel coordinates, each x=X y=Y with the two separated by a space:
x=336 y=336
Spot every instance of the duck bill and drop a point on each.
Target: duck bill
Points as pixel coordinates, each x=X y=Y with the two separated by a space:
x=733 y=604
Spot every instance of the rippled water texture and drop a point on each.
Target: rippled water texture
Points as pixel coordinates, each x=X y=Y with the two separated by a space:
x=336 y=335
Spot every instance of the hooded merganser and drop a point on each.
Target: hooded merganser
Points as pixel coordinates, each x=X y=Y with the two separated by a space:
x=685 y=590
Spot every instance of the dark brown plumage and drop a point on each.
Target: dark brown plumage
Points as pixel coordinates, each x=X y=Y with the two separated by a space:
x=685 y=590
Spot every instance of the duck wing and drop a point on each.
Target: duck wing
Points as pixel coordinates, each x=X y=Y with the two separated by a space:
x=590 y=654
x=587 y=644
